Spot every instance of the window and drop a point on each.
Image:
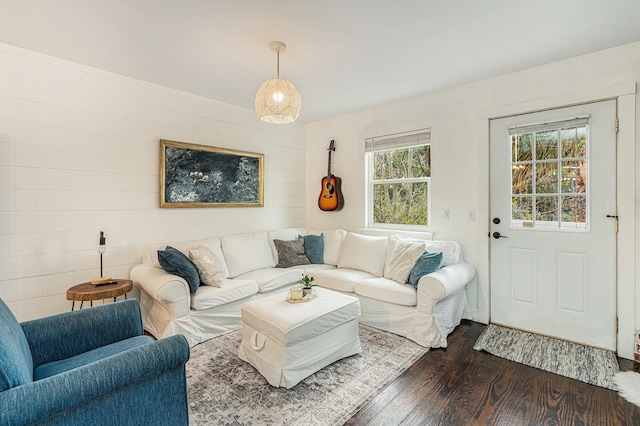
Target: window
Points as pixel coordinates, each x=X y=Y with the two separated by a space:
x=399 y=180
x=549 y=175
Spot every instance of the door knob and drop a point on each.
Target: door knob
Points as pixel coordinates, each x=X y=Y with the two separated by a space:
x=496 y=220
x=497 y=235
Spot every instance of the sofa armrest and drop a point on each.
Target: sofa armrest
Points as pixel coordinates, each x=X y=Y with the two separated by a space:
x=44 y=399
x=72 y=333
x=164 y=287
x=445 y=281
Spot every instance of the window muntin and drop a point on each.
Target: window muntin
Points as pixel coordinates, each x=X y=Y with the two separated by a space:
x=549 y=178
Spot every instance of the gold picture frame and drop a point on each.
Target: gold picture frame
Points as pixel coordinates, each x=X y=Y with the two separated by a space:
x=197 y=176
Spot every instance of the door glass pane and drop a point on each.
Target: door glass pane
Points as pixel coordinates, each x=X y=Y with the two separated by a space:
x=574 y=210
x=546 y=209
x=522 y=208
x=574 y=142
x=547 y=145
x=574 y=176
x=547 y=178
x=522 y=179
x=521 y=146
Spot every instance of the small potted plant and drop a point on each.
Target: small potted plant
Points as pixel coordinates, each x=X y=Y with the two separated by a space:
x=307 y=283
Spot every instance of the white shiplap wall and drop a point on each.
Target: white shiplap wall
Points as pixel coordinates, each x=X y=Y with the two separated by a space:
x=79 y=155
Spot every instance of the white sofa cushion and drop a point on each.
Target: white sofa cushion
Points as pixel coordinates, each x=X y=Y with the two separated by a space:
x=150 y=253
x=272 y=278
x=247 y=252
x=402 y=255
x=386 y=290
x=451 y=251
x=285 y=234
x=207 y=297
x=314 y=267
x=364 y=253
x=332 y=240
x=339 y=279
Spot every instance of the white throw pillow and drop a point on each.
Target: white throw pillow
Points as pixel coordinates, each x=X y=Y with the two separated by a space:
x=247 y=252
x=364 y=253
x=332 y=240
x=211 y=270
x=214 y=245
x=402 y=255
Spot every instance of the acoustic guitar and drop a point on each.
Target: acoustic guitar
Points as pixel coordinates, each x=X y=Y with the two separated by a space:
x=331 y=195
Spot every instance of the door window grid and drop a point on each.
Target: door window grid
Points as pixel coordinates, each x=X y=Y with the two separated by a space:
x=550 y=179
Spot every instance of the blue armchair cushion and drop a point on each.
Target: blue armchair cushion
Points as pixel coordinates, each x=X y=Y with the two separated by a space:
x=426 y=264
x=82 y=330
x=57 y=367
x=314 y=247
x=175 y=262
x=16 y=364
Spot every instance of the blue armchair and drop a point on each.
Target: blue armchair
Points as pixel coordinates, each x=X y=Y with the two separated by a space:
x=92 y=366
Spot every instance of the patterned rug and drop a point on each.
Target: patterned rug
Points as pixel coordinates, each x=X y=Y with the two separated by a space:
x=589 y=365
x=224 y=390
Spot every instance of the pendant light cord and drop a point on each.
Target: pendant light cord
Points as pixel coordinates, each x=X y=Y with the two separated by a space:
x=278 y=54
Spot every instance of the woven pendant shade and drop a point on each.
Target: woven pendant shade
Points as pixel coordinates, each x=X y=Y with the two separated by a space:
x=278 y=100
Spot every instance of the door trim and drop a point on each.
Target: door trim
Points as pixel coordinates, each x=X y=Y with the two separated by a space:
x=628 y=254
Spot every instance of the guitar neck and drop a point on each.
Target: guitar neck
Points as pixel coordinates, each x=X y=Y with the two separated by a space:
x=329 y=165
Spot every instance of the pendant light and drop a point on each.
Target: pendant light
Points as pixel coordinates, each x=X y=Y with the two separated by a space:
x=278 y=100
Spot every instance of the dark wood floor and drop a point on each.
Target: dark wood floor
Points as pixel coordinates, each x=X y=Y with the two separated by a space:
x=460 y=386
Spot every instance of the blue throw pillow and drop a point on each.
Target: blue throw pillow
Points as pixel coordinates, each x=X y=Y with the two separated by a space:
x=426 y=264
x=174 y=262
x=314 y=247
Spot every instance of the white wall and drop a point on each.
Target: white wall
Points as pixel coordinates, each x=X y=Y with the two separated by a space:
x=79 y=155
x=459 y=119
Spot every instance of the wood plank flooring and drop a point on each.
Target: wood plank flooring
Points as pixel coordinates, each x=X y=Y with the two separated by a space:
x=460 y=386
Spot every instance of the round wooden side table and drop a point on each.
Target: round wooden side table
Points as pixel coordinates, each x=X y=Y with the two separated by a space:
x=89 y=292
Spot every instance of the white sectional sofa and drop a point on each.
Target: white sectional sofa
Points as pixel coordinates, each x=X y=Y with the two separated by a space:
x=361 y=265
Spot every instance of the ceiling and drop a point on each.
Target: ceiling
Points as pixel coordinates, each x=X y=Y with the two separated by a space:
x=342 y=55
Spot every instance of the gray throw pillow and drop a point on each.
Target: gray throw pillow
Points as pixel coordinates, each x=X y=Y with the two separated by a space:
x=290 y=253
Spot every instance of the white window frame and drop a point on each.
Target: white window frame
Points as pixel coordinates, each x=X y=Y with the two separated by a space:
x=392 y=142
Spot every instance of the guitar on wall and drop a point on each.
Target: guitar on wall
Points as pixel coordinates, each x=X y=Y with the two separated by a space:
x=331 y=195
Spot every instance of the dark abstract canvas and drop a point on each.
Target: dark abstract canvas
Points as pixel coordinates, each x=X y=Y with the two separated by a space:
x=203 y=176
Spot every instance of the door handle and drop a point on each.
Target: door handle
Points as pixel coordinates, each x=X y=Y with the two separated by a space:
x=497 y=235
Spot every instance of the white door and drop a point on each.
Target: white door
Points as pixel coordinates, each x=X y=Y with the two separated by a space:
x=553 y=248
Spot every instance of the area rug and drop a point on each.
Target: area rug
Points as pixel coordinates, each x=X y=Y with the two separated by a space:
x=224 y=390
x=589 y=365
x=628 y=383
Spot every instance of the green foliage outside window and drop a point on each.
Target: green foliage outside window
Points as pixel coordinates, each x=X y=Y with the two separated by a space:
x=401 y=185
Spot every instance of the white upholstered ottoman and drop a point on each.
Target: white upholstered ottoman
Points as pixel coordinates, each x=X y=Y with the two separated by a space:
x=287 y=342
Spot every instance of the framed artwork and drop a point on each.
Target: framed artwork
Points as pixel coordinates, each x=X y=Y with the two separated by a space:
x=204 y=176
